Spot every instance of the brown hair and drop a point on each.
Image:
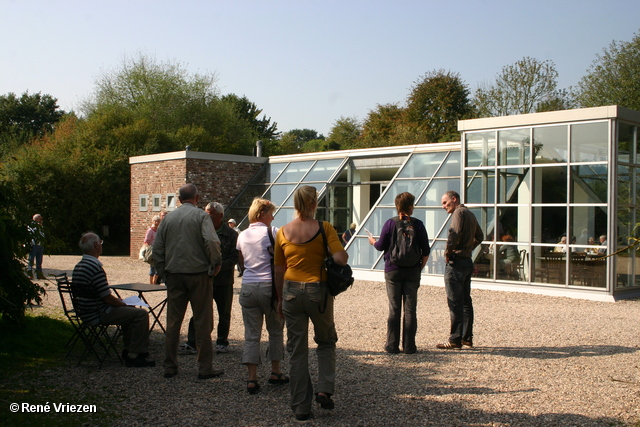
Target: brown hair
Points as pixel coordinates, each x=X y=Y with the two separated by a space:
x=404 y=202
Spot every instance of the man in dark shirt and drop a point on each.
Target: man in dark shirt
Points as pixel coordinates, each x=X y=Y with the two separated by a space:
x=464 y=235
x=96 y=304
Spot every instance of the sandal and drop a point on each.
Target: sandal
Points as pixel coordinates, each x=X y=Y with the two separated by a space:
x=325 y=401
x=279 y=378
x=256 y=387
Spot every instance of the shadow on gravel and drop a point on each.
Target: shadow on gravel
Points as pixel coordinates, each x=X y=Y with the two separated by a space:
x=558 y=352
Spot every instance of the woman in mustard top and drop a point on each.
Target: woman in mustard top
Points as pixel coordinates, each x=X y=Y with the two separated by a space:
x=301 y=283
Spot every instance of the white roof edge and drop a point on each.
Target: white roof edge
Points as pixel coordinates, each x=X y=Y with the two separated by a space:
x=368 y=152
x=550 y=117
x=177 y=155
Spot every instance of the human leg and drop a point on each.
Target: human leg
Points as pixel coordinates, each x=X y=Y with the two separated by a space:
x=467 y=325
x=410 y=287
x=457 y=284
x=252 y=317
x=177 y=299
x=325 y=336
x=135 y=327
x=223 y=296
x=394 y=294
x=201 y=300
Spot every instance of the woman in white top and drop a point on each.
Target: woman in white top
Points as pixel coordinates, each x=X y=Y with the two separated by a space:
x=258 y=296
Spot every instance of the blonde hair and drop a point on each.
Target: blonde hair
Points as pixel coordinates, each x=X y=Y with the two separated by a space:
x=305 y=201
x=156 y=218
x=260 y=206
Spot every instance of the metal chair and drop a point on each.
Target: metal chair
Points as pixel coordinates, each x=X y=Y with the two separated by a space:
x=99 y=340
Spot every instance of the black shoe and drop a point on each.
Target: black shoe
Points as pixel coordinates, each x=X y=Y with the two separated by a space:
x=303 y=417
x=325 y=401
x=170 y=375
x=468 y=343
x=392 y=350
x=214 y=374
x=140 y=361
x=410 y=351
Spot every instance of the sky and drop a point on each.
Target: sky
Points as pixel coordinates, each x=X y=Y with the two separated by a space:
x=305 y=63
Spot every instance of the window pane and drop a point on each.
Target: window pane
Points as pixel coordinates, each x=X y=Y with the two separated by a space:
x=589 y=184
x=433 y=219
x=414 y=187
x=323 y=170
x=377 y=219
x=274 y=171
x=550 y=144
x=515 y=221
x=588 y=222
x=514 y=147
x=480 y=186
x=451 y=166
x=436 y=262
x=318 y=187
x=549 y=224
x=486 y=220
x=362 y=254
x=513 y=185
x=283 y=217
x=550 y=184
x=295 y=172
x=481 y=149
x=589 y=142
x=422 y=165
x=625 y=196
x=436 y=190
x=279 y=193
x=625 y=143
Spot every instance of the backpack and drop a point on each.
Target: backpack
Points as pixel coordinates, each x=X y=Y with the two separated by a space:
x=405 y=250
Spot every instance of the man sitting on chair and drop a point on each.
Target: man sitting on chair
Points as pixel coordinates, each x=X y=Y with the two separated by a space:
x=97 y=305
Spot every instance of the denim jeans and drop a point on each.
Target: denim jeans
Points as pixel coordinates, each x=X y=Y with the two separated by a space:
x=402 y=291
x=35 y=256
x=457 y=282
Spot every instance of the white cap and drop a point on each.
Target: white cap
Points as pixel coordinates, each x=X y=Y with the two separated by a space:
x=232 y=220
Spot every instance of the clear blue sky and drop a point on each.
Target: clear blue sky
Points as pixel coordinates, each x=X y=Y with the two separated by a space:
x=305 y=63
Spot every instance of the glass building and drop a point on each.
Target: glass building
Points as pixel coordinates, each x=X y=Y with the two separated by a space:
x=545 y=187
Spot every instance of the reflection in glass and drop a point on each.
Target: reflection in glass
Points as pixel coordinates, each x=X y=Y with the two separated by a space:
x=481 y=148
x=486 y=220
x=436 y=262
x=412 y=186
x=432 y=218
x=451 y=166
x=625 y=142
x=278 y=193
x=436 y=189
x=550 y=184
x=274 y=171
x=377 y=219
x=589 y=142
x=513 y=185
x=318 y=186
x=515 y=222
x=586 y=222
x=481 y=186
x=422 y=165
x=550 y=144
x=514 y=147
x=295 y=171
x=624 y=185
x=589 y=184
x=484 y=259
x=323 y=170
x=549 y=224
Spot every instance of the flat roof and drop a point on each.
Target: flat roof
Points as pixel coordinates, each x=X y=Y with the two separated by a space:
x=550 y=117
x=178 y=155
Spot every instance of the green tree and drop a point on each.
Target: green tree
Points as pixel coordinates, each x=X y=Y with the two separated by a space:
x=518 y=89
x=26 y=117
x=435 y=104
x=293 y=142
x=381 y=126
x=345 y=133
x=613 y=78
x=249 y=111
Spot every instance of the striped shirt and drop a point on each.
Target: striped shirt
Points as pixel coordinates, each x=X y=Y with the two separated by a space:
x=89 y=286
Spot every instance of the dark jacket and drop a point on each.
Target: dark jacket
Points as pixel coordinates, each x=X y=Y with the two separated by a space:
x=464 y=234
x=228 y=239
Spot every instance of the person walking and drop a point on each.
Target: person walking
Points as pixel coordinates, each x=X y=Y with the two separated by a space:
x=464 y=235
x=36 y=253
x=301 y=281
x=403 y=278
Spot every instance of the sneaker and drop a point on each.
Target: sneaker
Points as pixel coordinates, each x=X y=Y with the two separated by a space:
x=468 y=343
x=185 y=348
x=222 y=349
x=140 y=361
x=448 y=345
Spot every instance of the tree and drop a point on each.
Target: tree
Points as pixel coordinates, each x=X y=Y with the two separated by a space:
x=345 y=133
x=293 y=142
x=249 y=111
x=436 y=102
x=27 y=117
x=518 y=89
x=613 y=78
x=381 y=126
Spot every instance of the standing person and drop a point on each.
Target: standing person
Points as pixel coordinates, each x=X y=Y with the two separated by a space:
x=403 y=280
x=97 y=305
x=301 y=280
x=258 y=296
x=149 y=238
x=347 y=235
x=232 y=224
x=37 y=250
x=186 y=253
x=464 y=235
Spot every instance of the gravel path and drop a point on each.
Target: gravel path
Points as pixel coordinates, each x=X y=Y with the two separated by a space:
x=538 y=360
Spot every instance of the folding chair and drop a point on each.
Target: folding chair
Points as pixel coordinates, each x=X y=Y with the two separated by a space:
x=99 y=340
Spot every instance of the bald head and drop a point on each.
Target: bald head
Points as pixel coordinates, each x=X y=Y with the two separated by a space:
x=188 y=193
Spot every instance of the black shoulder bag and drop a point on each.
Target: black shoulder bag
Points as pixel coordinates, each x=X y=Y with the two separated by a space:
x=339 y=277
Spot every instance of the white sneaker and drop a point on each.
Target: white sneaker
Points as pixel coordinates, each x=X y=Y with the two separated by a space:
x=221 y=349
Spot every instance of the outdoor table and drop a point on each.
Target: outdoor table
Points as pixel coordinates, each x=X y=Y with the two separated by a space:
x=141 y=288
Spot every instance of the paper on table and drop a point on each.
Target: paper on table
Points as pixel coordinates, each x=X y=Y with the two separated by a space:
x=135 y=300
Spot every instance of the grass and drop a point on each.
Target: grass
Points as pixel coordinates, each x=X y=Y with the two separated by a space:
x=26 y=351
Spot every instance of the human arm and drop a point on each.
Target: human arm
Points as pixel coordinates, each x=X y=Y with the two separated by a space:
x=114 y=301
x=211 y=242
x=229 y=253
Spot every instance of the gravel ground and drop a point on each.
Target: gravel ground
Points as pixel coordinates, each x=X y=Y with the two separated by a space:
x=538 y=360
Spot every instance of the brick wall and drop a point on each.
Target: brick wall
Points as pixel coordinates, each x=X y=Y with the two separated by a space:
x=217 y=180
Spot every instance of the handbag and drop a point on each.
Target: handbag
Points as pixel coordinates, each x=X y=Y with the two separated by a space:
x=146 y=254
x=339 y=277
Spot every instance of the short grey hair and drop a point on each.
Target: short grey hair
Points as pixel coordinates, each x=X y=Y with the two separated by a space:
x=215 y=206
x=88 y=240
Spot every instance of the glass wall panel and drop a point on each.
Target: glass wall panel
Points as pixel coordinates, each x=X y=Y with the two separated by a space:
x=279 y=193
x=550 y=144
x=513 y=185
x=514 y=147
x=625 y=260
x=362 y=254
x=436 y=189
x=589 y=184
x=486 y=220
x=484 y=262
x=436 y=262
x=422 y=165
x=412 y=186
x=515 y=222
x=274 y=170
x=480 y=186
x=295 y=172
x=549 y=224
x=481 y=149
x=589 y=142
x=625 y=197
x=586 y=222
x=433 y=219
x=550 y=184
x=318 y=186
x=283 y=216
x=323 y=170
x=451 y=166
x=377 y=219
x=625 y=143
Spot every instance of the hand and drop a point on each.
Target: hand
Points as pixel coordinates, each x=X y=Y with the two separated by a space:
x=217 y=270
x=372 y=241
